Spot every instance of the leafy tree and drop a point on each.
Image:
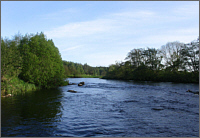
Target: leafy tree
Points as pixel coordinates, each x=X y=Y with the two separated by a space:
x=171 y=53
x=10 y=58
x=165 y=64
x=135 y=57
x=42 y=63
x=190 y=55
x=151 y=58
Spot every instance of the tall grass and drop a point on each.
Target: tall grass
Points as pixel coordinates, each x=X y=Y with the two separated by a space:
x=13 y=85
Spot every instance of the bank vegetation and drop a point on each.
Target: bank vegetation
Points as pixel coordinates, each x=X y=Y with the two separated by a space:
x=173 y=62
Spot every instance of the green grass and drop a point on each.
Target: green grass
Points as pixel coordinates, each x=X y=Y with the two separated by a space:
x=13 y=85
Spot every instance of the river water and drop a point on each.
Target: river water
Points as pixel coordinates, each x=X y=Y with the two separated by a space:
x=104 y=108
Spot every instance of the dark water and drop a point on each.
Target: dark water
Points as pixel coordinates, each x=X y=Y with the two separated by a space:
x=104 y=108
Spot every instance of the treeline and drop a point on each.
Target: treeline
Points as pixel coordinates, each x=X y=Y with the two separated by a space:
x=78 y=70
x=173 y=62
x=30 y=61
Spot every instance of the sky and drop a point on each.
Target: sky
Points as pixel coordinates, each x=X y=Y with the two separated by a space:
x=100 y=33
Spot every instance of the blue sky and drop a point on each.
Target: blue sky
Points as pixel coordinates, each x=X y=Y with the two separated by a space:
x=100 y=33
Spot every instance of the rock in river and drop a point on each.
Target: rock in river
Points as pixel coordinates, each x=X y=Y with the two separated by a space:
x=72 y=91
x=197 y=92
x=81 y=84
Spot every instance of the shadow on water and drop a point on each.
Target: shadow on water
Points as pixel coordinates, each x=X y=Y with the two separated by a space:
x=31 y=114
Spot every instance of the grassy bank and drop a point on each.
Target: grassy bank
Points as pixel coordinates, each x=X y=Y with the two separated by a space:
x=13 y=85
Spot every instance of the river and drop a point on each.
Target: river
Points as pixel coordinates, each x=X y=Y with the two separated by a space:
x=104 y=108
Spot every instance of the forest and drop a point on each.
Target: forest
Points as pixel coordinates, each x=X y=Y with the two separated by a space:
x=77 y=70
x=30 y=62
x=173 y=62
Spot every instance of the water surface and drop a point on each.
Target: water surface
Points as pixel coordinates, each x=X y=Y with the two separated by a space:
x=104 y=108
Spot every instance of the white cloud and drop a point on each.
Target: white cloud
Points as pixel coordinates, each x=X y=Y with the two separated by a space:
x=125 y=30
x=111 y=23
x=80 y=29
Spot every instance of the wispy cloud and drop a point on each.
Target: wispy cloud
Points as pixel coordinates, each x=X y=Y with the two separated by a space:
x=79 y=29
x=110 y=23
x=128 y=22
x=126 y=30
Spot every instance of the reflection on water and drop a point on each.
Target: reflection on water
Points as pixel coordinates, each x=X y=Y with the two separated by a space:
x=27 y=115
x=104 y=108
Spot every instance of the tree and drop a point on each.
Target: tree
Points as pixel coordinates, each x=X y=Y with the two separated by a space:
x=171 y=55
x=42 y=63
x=151 y=59
x=10 y=58
x=190 y=55
x=135 y=57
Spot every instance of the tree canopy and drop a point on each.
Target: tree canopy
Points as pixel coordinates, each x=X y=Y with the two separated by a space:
x=76 y=69
x=175 y=62
x=34 y=59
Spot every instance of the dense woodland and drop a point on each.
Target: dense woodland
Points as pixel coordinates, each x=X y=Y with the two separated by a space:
x=78 y=70
x=173 y=62
x=29 y=62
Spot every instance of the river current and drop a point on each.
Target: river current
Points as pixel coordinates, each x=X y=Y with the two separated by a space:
x=104 y=108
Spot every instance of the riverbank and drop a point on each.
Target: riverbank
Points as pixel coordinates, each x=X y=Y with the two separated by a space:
x=11 y=86
x=112 y=78
x=84 y=76
x=156 y=76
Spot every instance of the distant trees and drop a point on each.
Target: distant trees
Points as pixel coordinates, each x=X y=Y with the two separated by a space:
x=174 y=61
x=76 y=69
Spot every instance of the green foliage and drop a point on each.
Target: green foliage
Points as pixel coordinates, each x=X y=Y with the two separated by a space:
x=10 y=58
x=175 y=62
x=14 y=85
x=32 y=58
x=42 y=63
x=190 y=56
x=82 y=71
